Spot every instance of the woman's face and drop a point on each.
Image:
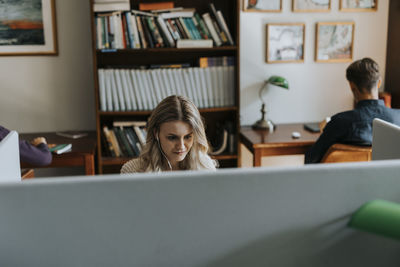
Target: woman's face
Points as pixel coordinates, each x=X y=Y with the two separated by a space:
x=176 y=140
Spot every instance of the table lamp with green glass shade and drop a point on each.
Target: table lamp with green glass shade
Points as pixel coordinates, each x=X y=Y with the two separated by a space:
x=266 y=124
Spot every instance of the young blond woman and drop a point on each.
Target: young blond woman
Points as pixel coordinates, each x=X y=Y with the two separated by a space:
x=176 y=140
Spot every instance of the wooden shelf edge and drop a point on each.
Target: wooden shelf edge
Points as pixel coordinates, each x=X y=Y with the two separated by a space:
x=225 y=157
x=165 y=50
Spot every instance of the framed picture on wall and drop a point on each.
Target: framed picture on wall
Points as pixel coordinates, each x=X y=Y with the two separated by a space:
x=334 y=42
x=262 y=5
x=358 y=5
x=28 y=27
x=311 y=5
x=285 y=42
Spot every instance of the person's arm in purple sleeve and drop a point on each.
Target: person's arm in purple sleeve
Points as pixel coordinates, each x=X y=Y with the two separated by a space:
x=36 y=153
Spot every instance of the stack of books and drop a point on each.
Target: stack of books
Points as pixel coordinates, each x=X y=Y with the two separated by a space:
x=175 y=27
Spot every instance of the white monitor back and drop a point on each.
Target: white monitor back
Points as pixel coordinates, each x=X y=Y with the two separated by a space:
x=10 y=168
x=290 y=217
x=385 y=140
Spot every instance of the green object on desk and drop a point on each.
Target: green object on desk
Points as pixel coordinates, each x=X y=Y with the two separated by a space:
x=61 y=148
x=379 y=217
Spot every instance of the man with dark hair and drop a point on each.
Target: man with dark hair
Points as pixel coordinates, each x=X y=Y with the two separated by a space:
x=355 y=126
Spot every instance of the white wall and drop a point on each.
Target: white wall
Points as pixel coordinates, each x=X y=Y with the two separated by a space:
x=317 y=90
x=50 y=93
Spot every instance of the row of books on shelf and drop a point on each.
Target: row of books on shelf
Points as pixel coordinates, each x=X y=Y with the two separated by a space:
x=127 y=138
x=138 y=89
x=124 y=139
x=177 y=27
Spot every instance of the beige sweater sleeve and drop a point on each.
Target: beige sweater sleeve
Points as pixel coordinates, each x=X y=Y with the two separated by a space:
x=131 y=166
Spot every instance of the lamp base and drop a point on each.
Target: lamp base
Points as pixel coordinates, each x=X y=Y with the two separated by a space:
x=264 y=125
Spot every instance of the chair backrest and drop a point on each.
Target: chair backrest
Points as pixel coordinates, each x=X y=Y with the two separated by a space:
x=347 y=153
x=385 y=140
x=10 y=170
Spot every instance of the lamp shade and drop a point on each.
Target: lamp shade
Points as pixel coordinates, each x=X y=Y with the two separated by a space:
x=278 y=81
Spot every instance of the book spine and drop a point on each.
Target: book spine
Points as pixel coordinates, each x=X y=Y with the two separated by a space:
x=185 y=28
x=110 y=141
x=142 y=36
x=121 y=142
x=221 y=34
x=167 y=33
x=174 y=32
x=224 y=27
x=132 y=141
x=120 y=90
x=102 y=89
x=125 y=36
x=203 y=27
x=129 y=27
x=182 y=31
x=147 y=32
x=135 y=32
x=193 y=28
x=162 y=33
x=156 y=6
x=156 y=34
x=187 y=43
x=105 y=32
x=140 y=135
x=213 y=32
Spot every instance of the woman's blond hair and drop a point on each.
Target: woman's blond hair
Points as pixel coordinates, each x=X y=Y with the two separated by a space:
x=176 y=108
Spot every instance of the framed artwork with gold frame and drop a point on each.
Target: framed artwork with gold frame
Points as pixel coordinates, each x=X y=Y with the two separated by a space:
x=285 y=42
x=28 y=27
x=334 y=41
x=311 y=5
x=358 y=5
x=262 y=5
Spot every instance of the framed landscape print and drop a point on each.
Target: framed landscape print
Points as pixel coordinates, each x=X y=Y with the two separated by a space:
x=28 y=27
x=285 y=42
x=311 y=5
x=358 y=5
x=262 y=5
x=334 y=42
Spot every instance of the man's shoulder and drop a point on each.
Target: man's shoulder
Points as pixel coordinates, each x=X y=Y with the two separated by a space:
x=345 y=116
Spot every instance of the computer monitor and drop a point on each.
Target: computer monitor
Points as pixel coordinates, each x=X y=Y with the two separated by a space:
x=10 y=168
x=286 y=217
x=385 y=140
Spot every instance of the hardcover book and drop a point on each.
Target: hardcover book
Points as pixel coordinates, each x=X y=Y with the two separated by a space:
x=59 y=148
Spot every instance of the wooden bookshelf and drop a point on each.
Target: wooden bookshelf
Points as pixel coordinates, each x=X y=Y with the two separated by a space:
x=126 y=57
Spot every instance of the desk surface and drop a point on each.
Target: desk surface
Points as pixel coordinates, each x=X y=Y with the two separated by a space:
x=279 y=142
x=82 y=153
x=86 y=144
x=282 y=135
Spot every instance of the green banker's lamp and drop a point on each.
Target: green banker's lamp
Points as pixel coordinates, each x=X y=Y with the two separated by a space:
x=262 y=123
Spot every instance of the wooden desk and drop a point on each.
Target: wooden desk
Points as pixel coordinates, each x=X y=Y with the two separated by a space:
x=280 y=142
x=82 y=153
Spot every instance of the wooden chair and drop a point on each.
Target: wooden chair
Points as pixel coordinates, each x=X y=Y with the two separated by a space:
x=347 y=153
x=27 y=174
